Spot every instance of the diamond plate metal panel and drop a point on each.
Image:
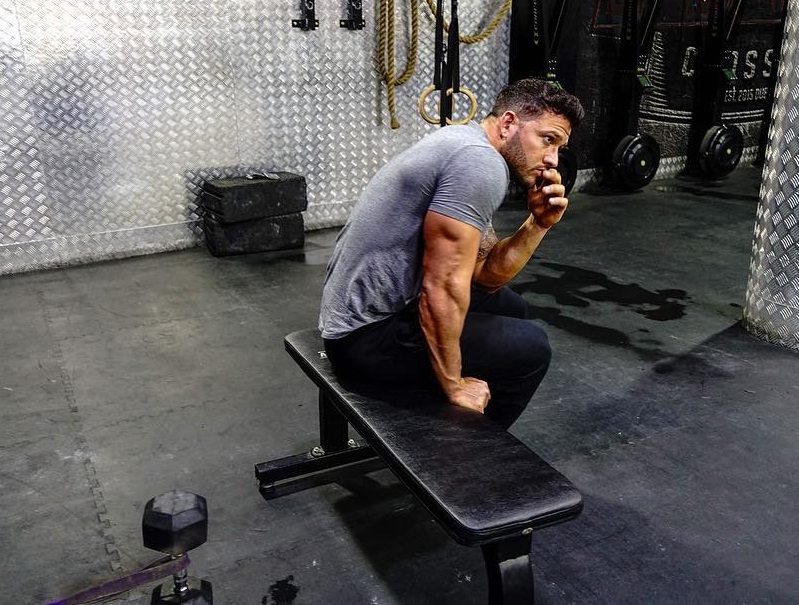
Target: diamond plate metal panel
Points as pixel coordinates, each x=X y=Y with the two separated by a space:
x=115 y=111
x=320 y=104
x=125 y=98
x=772 y=297
x=24 y=215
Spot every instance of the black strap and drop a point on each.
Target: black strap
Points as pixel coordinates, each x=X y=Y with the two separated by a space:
x=438 y=74
x=155 y=571
x=453 y=49
x=556 y=27
x=735 y=20
x=447 y=76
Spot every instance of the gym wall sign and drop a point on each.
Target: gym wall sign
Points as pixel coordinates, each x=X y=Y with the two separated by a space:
x=752 y=57
x=756 y=64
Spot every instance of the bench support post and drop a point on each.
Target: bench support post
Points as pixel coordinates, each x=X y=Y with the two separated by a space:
x=510 y=571
x=333 y=427
x=338 y=459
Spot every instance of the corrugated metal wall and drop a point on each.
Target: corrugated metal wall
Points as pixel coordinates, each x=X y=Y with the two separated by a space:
x=114 y=112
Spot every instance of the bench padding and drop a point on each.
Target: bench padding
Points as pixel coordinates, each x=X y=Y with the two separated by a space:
x=478 y=481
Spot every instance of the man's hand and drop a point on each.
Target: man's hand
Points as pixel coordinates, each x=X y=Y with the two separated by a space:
x=470 y=393
x=547 y=202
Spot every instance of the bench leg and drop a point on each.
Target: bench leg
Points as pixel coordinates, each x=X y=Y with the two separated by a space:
x=333 y=427
x=510 y=571
x=335 y=459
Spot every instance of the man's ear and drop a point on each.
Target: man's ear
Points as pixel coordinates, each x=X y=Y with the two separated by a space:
x=506 y=121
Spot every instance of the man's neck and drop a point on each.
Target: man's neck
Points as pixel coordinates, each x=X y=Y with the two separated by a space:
x=491 y=128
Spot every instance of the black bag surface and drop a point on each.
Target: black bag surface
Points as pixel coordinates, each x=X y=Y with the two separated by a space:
x=237 y=199
x=256 y=235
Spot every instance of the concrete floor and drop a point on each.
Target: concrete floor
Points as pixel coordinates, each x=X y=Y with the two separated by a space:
x=126 y=379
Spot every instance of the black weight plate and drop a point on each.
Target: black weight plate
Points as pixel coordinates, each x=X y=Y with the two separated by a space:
x=567 y=166
x=720 y=150
x=635 y=161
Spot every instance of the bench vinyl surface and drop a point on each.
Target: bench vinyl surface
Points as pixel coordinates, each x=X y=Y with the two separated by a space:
x=480 y=482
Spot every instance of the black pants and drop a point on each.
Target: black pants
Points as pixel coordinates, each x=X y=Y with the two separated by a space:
x=499 y=344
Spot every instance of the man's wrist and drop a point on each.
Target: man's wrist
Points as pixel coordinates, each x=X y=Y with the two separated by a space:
x=536 y=226
x=450 y=385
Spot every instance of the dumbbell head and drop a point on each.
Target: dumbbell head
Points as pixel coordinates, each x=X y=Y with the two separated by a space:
x=175 y=522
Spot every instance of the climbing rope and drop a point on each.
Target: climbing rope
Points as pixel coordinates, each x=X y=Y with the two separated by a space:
x=490 y=28
x=386 y=60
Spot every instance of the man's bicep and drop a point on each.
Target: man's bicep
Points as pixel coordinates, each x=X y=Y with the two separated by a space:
x=450 y=247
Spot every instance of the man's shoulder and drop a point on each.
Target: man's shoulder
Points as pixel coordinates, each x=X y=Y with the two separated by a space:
x=469 y=134
x=460 y=144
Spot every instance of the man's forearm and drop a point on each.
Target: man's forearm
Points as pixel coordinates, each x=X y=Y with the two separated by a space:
x=447 y=269
x=509 y=256
x=442 y=311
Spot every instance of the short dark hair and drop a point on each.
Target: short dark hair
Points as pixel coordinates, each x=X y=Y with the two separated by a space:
x=530 y=97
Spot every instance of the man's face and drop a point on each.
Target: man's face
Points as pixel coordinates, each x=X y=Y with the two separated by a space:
x=531 y=146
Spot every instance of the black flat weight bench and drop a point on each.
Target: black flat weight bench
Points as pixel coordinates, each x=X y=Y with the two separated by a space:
x=481 y=484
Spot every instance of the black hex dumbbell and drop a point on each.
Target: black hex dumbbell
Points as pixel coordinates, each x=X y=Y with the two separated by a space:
x=174 y=523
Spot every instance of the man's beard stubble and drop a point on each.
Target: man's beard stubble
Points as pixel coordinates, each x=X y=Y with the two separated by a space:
x=515 y=158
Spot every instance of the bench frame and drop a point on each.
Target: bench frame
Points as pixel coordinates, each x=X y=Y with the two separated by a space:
x=508 y=561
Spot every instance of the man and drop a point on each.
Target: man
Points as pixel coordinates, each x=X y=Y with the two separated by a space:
x=416 y=292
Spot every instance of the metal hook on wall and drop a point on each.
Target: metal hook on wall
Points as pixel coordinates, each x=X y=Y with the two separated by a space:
x=308 y=20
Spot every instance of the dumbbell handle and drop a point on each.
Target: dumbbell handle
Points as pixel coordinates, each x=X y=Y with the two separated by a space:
x=181 y=581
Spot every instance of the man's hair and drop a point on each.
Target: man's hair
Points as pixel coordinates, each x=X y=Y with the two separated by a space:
x=529 y=98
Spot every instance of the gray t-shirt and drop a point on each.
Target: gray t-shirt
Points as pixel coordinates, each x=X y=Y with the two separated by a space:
x=376 y=266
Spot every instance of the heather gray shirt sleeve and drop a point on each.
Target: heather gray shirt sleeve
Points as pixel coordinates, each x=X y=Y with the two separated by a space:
x=468 y=190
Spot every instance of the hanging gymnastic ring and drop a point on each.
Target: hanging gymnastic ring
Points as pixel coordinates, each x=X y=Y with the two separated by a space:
x=422 y=98
x=463 y=90
x=472 y=106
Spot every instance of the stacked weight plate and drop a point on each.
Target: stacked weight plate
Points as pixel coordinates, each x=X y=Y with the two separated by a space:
x=254 y=213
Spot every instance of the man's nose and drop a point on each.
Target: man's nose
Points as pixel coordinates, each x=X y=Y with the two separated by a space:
x=551 y=158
